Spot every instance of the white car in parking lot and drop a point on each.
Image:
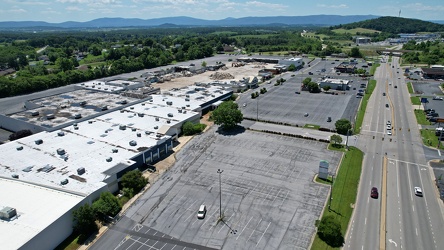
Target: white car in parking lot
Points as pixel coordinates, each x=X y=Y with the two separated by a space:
x=389 y=132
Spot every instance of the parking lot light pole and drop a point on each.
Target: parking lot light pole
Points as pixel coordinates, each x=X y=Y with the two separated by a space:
x=220 y=193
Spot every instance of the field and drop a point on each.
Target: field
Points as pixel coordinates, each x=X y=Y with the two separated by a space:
x=354 y=31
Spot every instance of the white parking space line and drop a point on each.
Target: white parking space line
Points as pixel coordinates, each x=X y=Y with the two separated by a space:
x=244 y=228
x=254 y=230
x=263 y=234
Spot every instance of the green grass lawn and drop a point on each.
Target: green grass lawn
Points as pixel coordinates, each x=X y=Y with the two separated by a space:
x=89 y=59
x=312 y=126
x=345 y=189
x=337 y=147
x=354 y=31
x=421 y=117
x=430 y=139
x=415 y=100
x=69 y=243
x=410 y=87
x=361 y=112
x=373 y=68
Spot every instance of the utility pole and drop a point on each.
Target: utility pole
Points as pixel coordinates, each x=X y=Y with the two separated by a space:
x=220 y=193
x=331 y=191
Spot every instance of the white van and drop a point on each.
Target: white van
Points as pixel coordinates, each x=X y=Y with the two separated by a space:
x=202 y=211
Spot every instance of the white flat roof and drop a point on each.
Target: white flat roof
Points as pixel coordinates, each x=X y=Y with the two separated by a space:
x=37 y=208
x=177 y=101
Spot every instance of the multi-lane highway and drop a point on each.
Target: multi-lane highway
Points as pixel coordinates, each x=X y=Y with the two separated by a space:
x=395 y=164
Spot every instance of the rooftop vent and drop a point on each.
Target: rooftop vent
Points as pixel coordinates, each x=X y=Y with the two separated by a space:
x=80 y=171
x=50 y=116
x=115 y=150
x=123 y=102
x=187 y=99
x=82 y=103
x=27 y=169
x=139 y=135
x=77 y=116
x=7 y=213
x=90 y=122
x=15 y=176
x=35 y=113
x=74 y=124
x=158 y=135
x=64 y=182
x=187 y=95
x=122 y=127
x=184 y=111
x=170 y=114
x=168 y=121
x=19 y=148
x=133 y=143
x=147 y=132
x=188 y=105
x=169 y=103
x=157 y=119
x=121 y=111
x=61 y=151
x=61 y=133
x=131 y=107
x=104 y=108
x=38 y=141
x=156 y=127
x=143 y=104
x=141 y=114
x=180 y=111
x=109 y=159
x=76 y=128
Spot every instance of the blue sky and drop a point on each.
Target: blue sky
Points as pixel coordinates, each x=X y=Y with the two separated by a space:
x=56 y=11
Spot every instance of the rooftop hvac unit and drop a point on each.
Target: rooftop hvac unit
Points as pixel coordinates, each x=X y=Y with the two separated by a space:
x=156 y=127
x=180 y=111
x=131 y=107
x=187 y=95
x=7 y=213
x=109 y=159
x=184 y=111
x=80 y=171
x=76 y=128
x=188 y=105
x=213 y=96
x=122 y=127
x=61 y=151
x=147 y=132
x=82 y=103
x=170 y=114
x=168 y=121
x=104 y=108
x=19 y=148
x=123 y=102
x=61 y=133
x=139 y=135
x=143 y=104
x=157 y=119
x=115 y=150
x=38 y=142
x=141 y=114
x=50 y=116
x=15 y=176
x=133 y=129
x=64 y=182
x=158 y=135
x=90 y=122
x=133 y=143
x=27 y=169
x=74 y=124
x=187 y=99
x=121 y=111
x=35 y=113
x=77 y=116
x=169 y=103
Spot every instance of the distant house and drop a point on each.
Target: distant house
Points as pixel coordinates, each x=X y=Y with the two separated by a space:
x=362 y=40
x=7 y=71
x=228 y=48
x=43 y=58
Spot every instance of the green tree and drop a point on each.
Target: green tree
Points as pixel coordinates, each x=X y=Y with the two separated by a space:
x=134 y=180
x=326 y=88
x=354 y=52
x=292 y=67
x=190 y=128
x=227 y=115
x=336 y=139
x=329 y=231
x=306 y=81
x=107 y=205
x=84 y=220
x=204 y=64
x=343 y=126
x=313 y=87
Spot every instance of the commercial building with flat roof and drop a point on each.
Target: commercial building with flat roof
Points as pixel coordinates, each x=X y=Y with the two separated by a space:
x=335 y=84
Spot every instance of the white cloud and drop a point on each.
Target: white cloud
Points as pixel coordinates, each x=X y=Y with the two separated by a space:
x=28 y=2
x=73 y=8
x=89 y=1
x=265 y=5
x=17 y=10
x=422 y=7
x=339 y=6
x=49 y=11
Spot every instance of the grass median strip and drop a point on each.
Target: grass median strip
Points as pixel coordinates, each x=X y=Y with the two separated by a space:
x=361 y=112
x=415 y=100
x=429 y=138
x=344 y=191
x=410 y=87
x=421 y=117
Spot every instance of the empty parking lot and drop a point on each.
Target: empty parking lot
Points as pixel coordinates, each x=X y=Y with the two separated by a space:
x=268 y=198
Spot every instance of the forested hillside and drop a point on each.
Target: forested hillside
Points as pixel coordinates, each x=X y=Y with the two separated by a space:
x=395 y=25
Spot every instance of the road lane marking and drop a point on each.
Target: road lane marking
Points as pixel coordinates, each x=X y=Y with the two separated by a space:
x=382 y=225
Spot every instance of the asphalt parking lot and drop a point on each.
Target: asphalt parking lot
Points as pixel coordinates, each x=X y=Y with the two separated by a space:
x=282 y=104
x=269 y=200
x=430 y=89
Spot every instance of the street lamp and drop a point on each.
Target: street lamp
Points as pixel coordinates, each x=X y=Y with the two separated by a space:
x=220 y=193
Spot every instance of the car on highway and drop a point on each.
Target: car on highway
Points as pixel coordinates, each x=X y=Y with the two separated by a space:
x=389 y=127
x=383 y=94
x=418 y=191
x=374 y=193
x=306 y=114
x=389 y=123
x=202 y=211
x=437 y=98
x=386 y=105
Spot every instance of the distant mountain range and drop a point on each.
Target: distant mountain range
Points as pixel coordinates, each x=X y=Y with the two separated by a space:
x=313 y=20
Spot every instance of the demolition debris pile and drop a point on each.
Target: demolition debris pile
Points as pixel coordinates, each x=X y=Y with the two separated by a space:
x=221 y=76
